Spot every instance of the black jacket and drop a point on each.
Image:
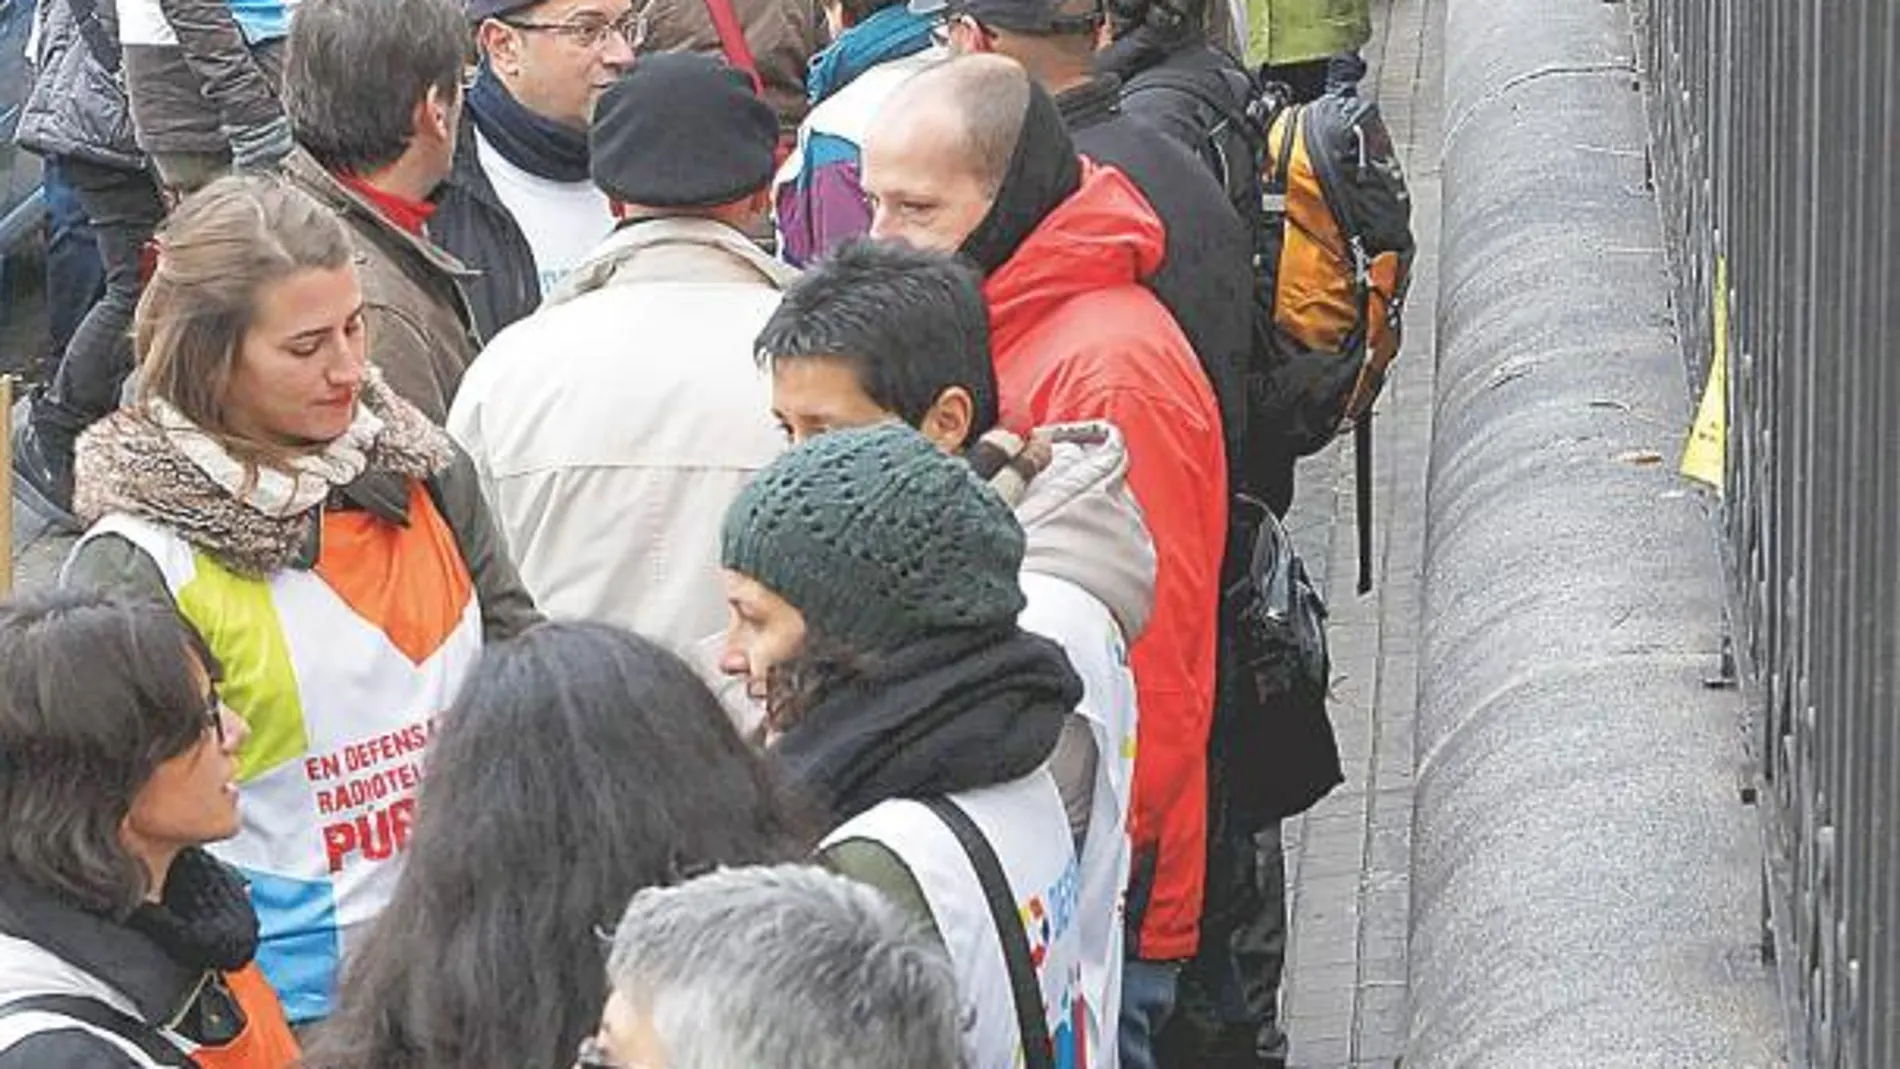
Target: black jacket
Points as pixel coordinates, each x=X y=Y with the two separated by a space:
x=472 y=224
x=131 y=960
x=1150 y=71
x=1206 y=280
x=1151 y=91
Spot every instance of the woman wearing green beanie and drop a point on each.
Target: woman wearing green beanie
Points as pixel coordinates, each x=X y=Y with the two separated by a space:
x=874 y=594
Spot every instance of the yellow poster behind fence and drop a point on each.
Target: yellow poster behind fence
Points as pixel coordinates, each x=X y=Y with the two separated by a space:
x=1704 y=457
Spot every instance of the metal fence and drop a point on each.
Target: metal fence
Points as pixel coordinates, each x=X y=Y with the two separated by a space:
x=1774 y=129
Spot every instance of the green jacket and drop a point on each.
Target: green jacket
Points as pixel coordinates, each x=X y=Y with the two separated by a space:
x=1299 y=31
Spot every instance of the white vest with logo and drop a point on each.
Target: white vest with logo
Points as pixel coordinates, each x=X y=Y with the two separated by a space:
x=1027 y=828
x=1076 y=620
x=339 y=672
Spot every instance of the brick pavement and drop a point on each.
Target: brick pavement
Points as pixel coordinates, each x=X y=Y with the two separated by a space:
x=1348 y=859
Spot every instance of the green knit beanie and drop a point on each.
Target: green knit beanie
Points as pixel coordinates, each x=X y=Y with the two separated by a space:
x=877 y=538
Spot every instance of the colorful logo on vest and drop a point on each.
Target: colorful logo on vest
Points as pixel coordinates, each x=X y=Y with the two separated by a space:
x=1041 y=929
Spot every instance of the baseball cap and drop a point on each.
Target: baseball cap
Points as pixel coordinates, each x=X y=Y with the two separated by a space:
x=1020 y=16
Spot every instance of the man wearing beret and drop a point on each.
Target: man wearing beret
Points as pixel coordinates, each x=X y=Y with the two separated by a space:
x=613 y=426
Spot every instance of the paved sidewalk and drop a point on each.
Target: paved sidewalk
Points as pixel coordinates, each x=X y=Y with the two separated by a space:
x=1348 y=860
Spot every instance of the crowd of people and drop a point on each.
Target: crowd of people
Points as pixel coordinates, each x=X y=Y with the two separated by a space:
x=673 y=534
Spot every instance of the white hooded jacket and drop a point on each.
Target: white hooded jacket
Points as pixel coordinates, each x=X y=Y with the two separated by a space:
x=613 y=427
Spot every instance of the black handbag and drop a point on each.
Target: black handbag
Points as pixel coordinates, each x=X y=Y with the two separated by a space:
x=1272 y=735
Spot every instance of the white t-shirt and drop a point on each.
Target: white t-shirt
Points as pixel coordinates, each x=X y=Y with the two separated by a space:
x=563 y=221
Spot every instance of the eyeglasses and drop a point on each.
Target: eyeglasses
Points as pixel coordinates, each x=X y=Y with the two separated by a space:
x=591 y=32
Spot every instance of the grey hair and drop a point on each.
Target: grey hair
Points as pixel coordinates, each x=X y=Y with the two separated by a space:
x=354 y=71
x=788 y=966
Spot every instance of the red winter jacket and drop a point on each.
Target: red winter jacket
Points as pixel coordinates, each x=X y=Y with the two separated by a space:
x=1078 y=337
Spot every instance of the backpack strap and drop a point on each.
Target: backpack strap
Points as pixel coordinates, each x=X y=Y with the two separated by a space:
x=1031 y=1018
x=1179 y=82
x=733 y=43
x=1362 y=491
x=96 y=1016
x=1283 y=163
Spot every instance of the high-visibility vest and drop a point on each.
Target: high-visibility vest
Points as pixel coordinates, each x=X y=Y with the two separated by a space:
x=1025 y=825
x=340 y=673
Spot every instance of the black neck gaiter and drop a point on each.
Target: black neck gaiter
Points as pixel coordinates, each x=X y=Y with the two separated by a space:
x=534 y=143
x=1043 y=172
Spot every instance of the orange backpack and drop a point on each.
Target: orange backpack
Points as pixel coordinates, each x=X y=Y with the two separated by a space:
x=1321 y=187
x=1336 y=247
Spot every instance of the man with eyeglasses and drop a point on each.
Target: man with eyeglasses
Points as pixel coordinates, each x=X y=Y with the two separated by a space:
x=741 y=968
x=519 y=203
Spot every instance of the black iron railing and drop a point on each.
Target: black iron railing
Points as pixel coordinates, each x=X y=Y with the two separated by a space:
x=1775 y=126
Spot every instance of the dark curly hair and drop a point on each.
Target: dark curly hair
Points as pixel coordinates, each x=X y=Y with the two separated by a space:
x=96 y=691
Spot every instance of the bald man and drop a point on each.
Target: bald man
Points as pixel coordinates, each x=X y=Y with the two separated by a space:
x=935 y=162
x=972 y=157
x=1206 y=275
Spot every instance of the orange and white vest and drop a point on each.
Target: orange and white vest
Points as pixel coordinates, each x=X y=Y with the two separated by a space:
x=340 y=673
x=1027 y=828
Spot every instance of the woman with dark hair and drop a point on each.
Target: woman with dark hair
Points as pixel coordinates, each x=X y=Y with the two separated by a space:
x=874 y=589
x=581 y=764
x=122 y=943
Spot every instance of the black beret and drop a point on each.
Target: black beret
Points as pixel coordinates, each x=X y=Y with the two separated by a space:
x=682 y=131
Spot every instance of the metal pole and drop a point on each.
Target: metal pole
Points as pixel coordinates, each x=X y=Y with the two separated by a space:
x=6 y=499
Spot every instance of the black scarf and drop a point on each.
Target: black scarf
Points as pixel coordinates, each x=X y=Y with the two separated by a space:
x=1043 y=172
x=204 y=917
x=534 y=143
x=959 y=711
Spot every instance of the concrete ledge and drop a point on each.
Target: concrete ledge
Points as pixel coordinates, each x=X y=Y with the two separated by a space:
x=1584 y=872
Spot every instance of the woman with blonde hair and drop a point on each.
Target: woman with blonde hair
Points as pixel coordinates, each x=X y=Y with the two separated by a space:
x=327 y=540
